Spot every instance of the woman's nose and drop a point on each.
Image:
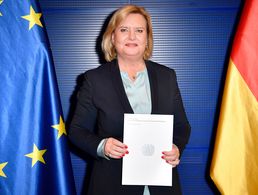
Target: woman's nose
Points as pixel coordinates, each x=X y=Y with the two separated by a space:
x=131 y=34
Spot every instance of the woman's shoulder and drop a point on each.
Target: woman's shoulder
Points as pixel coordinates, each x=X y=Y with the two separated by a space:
x=159 y=67
x=101 y=70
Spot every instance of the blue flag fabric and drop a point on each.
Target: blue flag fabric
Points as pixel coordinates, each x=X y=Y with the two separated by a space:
x=34 y=157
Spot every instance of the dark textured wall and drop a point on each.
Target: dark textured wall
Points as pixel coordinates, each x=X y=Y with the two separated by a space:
x=193 y=37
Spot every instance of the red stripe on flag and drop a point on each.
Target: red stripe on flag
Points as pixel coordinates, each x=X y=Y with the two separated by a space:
x=245 y=47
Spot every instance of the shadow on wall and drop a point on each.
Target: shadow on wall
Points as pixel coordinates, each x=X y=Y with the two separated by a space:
x=73 y=100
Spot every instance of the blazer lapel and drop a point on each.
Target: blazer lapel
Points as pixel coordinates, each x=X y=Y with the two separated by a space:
x=118 y=84
x=153 y=87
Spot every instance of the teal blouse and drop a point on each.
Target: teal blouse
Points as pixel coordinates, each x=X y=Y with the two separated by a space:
x=138 y=92
x=139 y=96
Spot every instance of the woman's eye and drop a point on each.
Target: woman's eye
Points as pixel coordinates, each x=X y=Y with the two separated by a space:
x=123 y=30
x=139 y=30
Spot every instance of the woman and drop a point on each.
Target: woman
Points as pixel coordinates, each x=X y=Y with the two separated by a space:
x=128 y=83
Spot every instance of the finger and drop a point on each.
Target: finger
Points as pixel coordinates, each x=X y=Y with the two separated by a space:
x=115 y=154
x=117 y=143
x=171 y=153
x=119 y=150
x=174 y=163
x=118 y=146
x=115 y=148
x=174 y=153
x=170 y=156
x=170 y=159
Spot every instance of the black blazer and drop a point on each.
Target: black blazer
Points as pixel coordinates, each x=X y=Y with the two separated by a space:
x=99 y=114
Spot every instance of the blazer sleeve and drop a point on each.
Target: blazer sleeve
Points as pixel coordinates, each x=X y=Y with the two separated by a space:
x=181 y=125
x=84 y=120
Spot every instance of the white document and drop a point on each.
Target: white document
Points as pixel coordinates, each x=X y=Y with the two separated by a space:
x=147 y=136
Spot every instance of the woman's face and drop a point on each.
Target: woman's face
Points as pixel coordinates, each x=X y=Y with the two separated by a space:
x=130 y=37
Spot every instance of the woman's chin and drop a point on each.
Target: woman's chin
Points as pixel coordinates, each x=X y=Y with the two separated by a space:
x=133 y=54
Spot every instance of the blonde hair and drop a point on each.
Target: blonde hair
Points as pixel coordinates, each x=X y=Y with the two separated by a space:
x=108 y=48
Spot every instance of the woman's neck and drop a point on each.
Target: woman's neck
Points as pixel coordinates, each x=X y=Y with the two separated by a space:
x=131 y=67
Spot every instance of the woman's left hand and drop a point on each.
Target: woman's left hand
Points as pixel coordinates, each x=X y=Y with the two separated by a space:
x=172 y=156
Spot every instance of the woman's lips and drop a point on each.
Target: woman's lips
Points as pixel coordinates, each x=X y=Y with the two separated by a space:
x=131 y=44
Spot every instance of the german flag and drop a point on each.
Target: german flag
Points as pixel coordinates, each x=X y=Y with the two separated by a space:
x=234 y=167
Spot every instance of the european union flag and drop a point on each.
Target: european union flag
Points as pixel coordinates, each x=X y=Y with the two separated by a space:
x=34 y=157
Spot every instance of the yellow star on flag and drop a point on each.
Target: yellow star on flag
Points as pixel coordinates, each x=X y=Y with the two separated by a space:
x=60 y=128
x=1 y=1
x=2 y=165
x=36 y=155
x=33 y=18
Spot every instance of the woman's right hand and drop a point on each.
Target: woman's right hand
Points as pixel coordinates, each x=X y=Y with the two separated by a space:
x=115 y=149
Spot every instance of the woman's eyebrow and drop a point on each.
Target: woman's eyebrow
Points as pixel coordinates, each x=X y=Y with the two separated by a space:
x=133 y=27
